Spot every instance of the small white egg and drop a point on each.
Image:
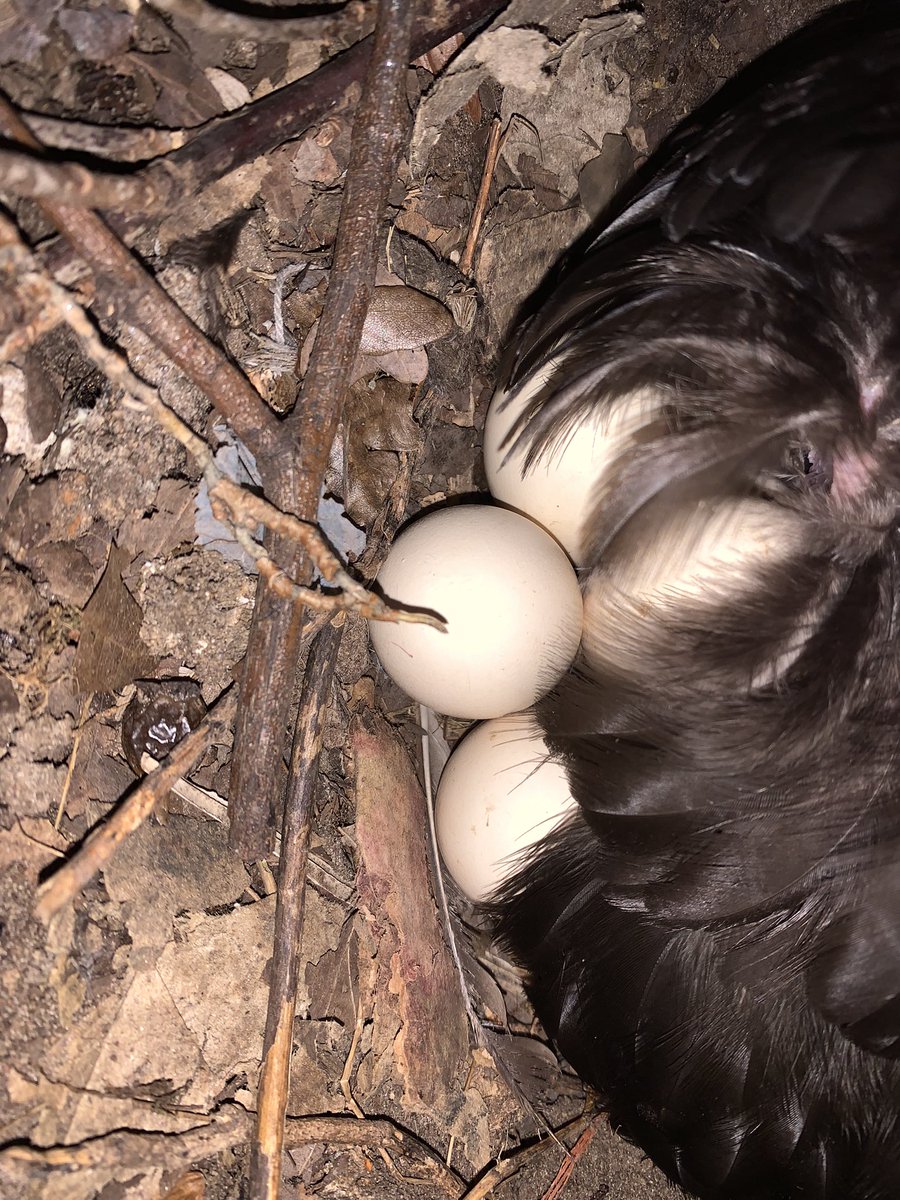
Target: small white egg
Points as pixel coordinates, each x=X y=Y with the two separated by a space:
x=499 y=794
x=676 y=563
x=559 y=489
x=511 y=601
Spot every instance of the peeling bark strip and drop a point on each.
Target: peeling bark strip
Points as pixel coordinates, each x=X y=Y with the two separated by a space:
x=416 y=986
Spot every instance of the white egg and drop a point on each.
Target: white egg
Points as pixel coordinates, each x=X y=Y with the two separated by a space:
x=500 y=792
x=559 y=489
x=511 y=601
x=666 y=565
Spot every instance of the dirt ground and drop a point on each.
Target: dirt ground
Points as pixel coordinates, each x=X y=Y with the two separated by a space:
x=132 y=1022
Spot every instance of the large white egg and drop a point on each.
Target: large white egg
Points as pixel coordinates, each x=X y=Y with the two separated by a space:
x=499 y=794
x=511 y=601
x=559 y=489
x=677 y=562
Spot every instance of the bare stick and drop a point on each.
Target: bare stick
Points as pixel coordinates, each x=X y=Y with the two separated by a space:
x=514 y=1163
x=26 y=174
x=487 y=177
x=100 y=846
x=237 y=507
x=229 y=1126
x=265 y=1162
x=274 y=645
x=564 y=1174
x=138 y=300
x=229 y=142
x=73 y=759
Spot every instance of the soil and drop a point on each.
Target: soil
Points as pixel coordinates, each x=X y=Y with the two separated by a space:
x=138 y=1012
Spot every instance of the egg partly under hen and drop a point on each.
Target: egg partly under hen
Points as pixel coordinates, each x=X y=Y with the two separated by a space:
x=511 y=601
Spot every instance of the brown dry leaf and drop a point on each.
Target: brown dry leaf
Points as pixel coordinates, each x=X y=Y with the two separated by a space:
x=182 y=93
x=314 y=163
x=200 y=1009
x=378 y=425
x=170 y=523
x=191 y=1186
x=419 y=1030
x=160 y=871
x=100 y=35
x=400 y=318
x=98 y=773
x=57 y=509
x=110 y=651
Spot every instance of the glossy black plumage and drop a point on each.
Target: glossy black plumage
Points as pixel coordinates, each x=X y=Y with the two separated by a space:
x=714 y=941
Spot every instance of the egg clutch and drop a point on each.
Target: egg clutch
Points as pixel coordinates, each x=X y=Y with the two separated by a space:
x=504 y=579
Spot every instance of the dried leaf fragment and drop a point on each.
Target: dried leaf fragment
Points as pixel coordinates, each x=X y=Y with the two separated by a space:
x=399 y=318
x=110 y=651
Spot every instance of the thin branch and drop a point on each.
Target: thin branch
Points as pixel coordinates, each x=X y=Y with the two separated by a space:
x=516 y=1161
x=27 y=174
x=378 y=125
x=231 y=1125
x=271 y=1103
x=346 y=1086
x=481 y=202
x=234 y=505
x=121 y=145
x=101 y=844
x=275 y=634
x=137 y=299
x=567 y=1166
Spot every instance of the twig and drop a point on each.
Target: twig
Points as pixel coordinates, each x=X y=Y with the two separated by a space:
x=73 y=759
x=275 y=634
x=244 y=509
x=346 y=1087
x=99 y=847
x=136 y=299
x=487 y=177
x=375 y=148
x=512 y=1165
x=563 y=1175
x=27 y=174
x=125 y=144
x=230 y=1126
x=265 y=1161
x=252 y=131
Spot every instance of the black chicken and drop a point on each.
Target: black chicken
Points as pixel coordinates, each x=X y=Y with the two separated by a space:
x=714 y=940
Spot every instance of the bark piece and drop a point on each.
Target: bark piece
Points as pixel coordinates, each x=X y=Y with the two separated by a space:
x=416 y=985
